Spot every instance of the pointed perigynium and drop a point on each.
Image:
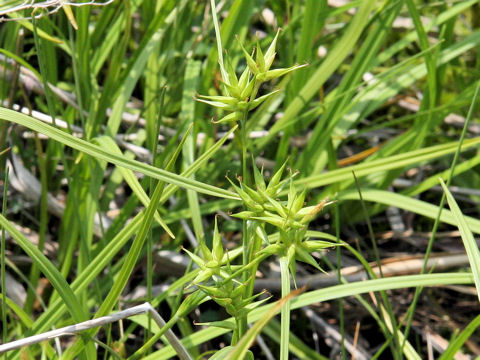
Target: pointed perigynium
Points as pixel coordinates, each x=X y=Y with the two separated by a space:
x=290 y=216
x=216 y=271
x=240 y=94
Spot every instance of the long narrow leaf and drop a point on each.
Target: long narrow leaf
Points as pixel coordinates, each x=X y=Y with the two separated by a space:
x=407 y=203
x=109 y=145
x=47 y=268
x=392 y=162
x=330 y=64
x=461 y=339
x=468 y=240
x=99 y=153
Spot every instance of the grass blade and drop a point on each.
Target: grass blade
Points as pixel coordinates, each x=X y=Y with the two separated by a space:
x=331 y=63
x=47 y=268
x=461 y=339
x=110 y=146
x=101 y=154
x=468 y=240
x=409 y=204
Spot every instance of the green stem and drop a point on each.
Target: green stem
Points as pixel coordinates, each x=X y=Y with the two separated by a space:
x=35 y=271
x=243 y=144
x=255 y=244
x=242 y=324
x=2 y=264
x=285 y=315
x=146 y=346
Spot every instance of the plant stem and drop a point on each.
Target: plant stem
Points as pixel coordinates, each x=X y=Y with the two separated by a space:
x=243 y=150
x=243 y=144
x=35 y=271
x=242 y=325
x=2 y=265
x=285 y=315
x=239 y=330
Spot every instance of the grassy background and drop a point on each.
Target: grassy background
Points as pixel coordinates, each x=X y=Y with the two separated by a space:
x=377 y=99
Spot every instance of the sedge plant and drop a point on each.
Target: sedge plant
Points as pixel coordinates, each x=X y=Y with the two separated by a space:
x=225 y=283
x=261 y=207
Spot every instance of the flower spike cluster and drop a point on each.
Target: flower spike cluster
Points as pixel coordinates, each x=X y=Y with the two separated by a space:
x=260 y=67
x=290 y=217
x=240 y=94
x=215 y=265
x=262 y=205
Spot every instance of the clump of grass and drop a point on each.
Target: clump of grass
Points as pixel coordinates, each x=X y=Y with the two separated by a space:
x=121 y=161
